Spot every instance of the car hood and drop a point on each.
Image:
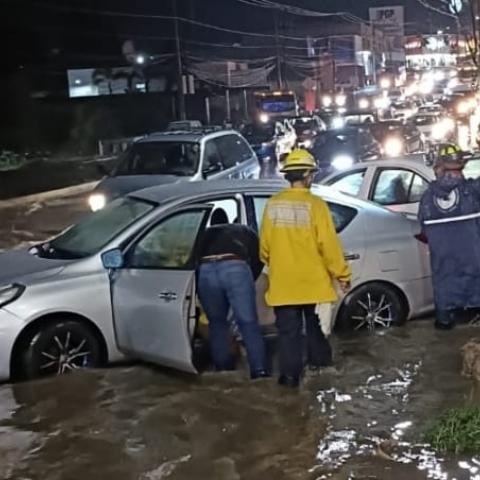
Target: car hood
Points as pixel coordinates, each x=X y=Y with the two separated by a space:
x=114 y=187
x=20 y=265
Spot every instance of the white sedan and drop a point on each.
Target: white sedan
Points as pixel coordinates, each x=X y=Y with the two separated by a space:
x=396 y=184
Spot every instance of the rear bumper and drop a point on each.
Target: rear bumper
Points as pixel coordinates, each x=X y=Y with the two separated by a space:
x=419 y=295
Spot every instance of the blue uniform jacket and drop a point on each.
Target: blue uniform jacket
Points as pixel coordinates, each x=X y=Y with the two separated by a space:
x=450 y=217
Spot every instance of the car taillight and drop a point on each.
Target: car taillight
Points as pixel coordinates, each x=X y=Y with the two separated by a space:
x=421 y=237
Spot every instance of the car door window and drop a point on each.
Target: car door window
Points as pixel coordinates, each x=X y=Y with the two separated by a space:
x=233 y=150
x=341 y=215
x=211 y=156
x=419 y=185
x=392 y=187
x=169 y=244
x=229 y=206
x=350 y=183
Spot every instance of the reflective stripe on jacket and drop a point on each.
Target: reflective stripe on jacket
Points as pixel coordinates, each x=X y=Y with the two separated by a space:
x=300 y=246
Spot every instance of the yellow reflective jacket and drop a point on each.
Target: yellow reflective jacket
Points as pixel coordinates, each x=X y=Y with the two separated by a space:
x=301 y=249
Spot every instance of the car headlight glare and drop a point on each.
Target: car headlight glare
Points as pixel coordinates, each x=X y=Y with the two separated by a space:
x=463 y=107
x=338 y=122
x=97 y=201
x=264 y=118
x=342 y=162
x=363 y=103
x=10 y=293
x=438 y=131
x=327 y=101
x=307 y=143
x=340 y=100
x=393 y=147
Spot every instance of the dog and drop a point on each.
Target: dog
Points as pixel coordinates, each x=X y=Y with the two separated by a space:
x=471 y=359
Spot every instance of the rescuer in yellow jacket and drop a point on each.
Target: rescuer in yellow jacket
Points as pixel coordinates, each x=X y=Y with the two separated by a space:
x=300 y=247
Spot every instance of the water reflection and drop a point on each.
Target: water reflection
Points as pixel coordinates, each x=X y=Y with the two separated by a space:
x=363 y=420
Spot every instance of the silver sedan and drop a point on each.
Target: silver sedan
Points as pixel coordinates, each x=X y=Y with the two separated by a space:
x=122 y=281
x=397 y=184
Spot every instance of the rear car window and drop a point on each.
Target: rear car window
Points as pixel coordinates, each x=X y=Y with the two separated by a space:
x=341 y=214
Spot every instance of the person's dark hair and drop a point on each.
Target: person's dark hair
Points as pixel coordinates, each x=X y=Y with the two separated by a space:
x=219 y=217
x=295 y=176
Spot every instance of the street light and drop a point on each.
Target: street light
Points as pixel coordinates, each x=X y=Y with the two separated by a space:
x=140 y=59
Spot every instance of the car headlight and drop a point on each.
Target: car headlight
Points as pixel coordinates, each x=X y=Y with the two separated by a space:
x=327 y=101
x=449 y=124
x=463 y=107
x=307 y=143
x=363 y=103
x=438 y=131
x=340 y=100
x=342 y=162
x=393 y=147
x=97 y=201
x=338 y=122
x=264 y=118
x=10 y=293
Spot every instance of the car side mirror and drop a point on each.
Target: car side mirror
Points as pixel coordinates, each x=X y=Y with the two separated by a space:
x=103 y=169
x=113 y=259
x=211 y=169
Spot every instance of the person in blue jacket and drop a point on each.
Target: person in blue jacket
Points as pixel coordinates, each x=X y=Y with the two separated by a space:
x=450 y=217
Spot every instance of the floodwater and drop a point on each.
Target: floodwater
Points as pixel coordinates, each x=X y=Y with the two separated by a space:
x=362 y=420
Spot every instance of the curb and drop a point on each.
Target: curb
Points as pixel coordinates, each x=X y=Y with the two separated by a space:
x=38 y=197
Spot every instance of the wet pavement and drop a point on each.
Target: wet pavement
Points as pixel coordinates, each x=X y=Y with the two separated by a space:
x=362 y=420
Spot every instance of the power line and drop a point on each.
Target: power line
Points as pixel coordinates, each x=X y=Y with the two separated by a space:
x=88 y=11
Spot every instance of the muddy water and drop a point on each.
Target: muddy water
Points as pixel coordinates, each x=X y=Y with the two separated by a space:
x=143 y=423
x=363 y=420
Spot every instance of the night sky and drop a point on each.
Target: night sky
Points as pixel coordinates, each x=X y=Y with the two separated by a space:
x=37 y=36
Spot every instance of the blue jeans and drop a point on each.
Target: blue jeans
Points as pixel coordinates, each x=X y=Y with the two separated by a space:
x=229 y=284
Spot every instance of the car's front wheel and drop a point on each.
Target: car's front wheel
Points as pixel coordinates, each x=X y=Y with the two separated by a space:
x=61 y=347
x=372 y=306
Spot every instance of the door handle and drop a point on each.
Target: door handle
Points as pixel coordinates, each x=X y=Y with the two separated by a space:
x=168 y=296
x=352 y=256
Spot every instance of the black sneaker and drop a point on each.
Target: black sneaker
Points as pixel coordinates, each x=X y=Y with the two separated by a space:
x=291 y=382
x=259 y=374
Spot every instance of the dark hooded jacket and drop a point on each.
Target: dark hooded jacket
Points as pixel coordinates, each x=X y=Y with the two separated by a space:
x=450 y=217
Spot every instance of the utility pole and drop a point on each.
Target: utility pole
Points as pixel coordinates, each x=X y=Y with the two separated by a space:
x=277 y=44
x=180 y=93
x=374 y=55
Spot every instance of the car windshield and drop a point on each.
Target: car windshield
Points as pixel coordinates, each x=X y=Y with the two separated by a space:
x=302 y=125
x=96 y=230
x=160 y=158
x=259 y=133
x=381 y=129
x=358 y=119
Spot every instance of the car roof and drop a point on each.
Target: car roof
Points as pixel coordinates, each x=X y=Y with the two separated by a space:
x=187 y=191
x=416 y=159
x=194 y=135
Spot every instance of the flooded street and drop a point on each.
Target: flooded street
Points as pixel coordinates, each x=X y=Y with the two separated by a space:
x=138 y=422
x=362 y=420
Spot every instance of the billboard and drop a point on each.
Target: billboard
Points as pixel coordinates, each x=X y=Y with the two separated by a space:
x=390 y=20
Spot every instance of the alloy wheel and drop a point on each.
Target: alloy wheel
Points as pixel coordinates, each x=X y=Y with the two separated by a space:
x=64 y=353
x=374 y=311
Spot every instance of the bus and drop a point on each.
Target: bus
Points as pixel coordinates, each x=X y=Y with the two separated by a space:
x=270 y=105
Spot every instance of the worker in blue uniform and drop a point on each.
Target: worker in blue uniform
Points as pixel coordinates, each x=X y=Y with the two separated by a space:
x=450 y=217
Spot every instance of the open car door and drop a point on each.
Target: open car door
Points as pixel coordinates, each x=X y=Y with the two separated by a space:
x=153 y=295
